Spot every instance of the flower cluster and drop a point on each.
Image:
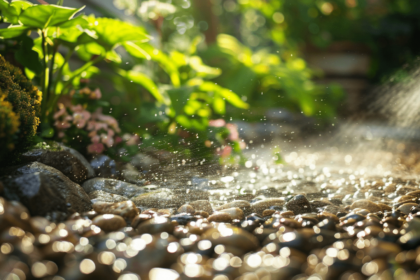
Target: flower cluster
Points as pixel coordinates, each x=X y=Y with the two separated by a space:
x=102 y=130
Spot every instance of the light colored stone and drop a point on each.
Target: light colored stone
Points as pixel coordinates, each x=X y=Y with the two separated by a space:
x=406 y=208
x=242 y=204
x=259 y=206
x=220 y=217
x=202 y=205
x=366 y=204
x=186 y=209
x=109 y=222
x=125 y=209
x=235 y=213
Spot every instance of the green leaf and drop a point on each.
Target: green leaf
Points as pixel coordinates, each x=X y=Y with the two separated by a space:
x=147 y=51
x=12 y=31
x=43 y=16
x=113 y=32
x=86 y=51
x=145 y=81
x=203 y=70
x=230 y=96
x=26 y=56
x=179 y=97
x=11 y=11
x=219 y=105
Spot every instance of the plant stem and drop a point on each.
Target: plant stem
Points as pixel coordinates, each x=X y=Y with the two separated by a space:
x=45 y=80
x=60 y=71
x=82 y=69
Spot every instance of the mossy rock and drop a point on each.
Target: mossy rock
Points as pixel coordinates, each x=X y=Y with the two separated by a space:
x=20 y=107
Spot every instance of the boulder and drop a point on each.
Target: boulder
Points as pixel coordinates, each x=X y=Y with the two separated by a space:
x=69 y=161
x=36 y=191
x=112 y=186
x=76 y=198
x=104 y=167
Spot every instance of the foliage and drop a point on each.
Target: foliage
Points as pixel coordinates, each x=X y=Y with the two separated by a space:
x=20 y=104
x=9 y=126
x=266 y=80
x=81 y=124
x=94 y=39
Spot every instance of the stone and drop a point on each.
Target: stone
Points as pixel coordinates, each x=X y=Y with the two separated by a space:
x=101 y=196
x=366 y=204
x=405 y=198
x=203 y=214
x=242 y=204
x=36 y=191
x=202 y=205
x=155 y=225
x=104 y=167
x=414 y=193
x=125 y=209
x=109 y=222
x=299 y=205
x=186 y=209
x=76 y=198
x=67 y=160
x=112 y=186
x=231 y=236
x=259 y=206
x=390 y=188
x=162 y=198
x=268 y=212
x=144 y=162
x=406 y=208
x=130 y=174
x=220 y=217
x=234 y=212
x=384 y=207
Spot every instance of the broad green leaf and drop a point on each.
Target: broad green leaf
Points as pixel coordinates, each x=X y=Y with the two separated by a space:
x=43 y=16
x=113 y=56
x=86 y=51
x=147 y=51
x=27 y=56
x=13 y=31
x=145 y=81
x=113 y=32
x=203 y=70
x=11 y=11
x=73 y=32
x=219 y=105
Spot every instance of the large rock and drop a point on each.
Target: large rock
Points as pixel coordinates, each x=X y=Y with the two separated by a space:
x=76 y=198
x=112 y=186
x=162 y=198
x=69 y=161
x=36 y=191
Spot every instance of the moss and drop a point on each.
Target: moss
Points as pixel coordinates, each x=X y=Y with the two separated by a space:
x=9 y=126
x=20 y=97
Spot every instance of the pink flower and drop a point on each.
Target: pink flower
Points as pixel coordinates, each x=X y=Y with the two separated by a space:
x=227 y=150
x=233 y=129
x=118 y=140
x=95 y=148
x=62 y=124
x=62 y=111
x=61 y=134
x=242 y=145
x=217 y=123
x=80 y=118
x=107 y=140
x=77 y=108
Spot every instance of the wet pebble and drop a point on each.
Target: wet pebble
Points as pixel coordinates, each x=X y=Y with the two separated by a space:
x=220 y=217
x=299 y=205
x=125 y=209
x=109 y=222
x=366 y=204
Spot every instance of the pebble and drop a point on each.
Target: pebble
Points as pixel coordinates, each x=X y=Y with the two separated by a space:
x=202 y=205
x=406 y=208
x=228 y=235
x=109 y=222
x=414 y=193
x=125 y=209
x=384 y=207
x=220 y=217
x=186 y=209
x=259 y=206
x=203 y=214
x=242 y=204
x=235 y=213
x=299 y=205
x=366 y=204
x=268 y=212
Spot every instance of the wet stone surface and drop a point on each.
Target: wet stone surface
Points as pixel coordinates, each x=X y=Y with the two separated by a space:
x=303 y=220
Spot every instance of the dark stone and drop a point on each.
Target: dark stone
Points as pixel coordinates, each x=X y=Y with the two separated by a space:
x=299 y=205
x=67 y=160
x=112 y=186
x=36 y=191
x=183 y=219
x=72 y=192
x=104 y=167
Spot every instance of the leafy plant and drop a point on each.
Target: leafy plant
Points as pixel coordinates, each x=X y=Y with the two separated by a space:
x=20 y=103
x=58 y=29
